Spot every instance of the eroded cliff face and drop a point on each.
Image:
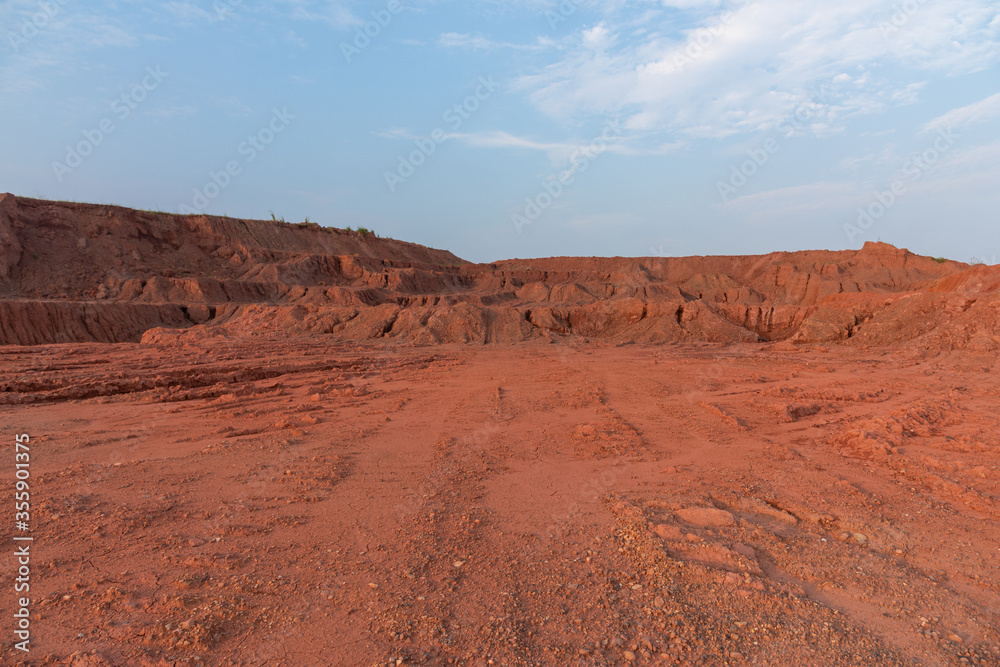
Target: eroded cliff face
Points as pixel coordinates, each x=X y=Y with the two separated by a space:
x=94 y=273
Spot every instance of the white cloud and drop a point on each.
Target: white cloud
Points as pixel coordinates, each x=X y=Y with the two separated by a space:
x=966 y=173
x=958 y=178
x=745 y=69
x=558 y=152
x=479 y=43
x=501 y=139
x=41 y=42
x=332 y=12
x=691 y=4
x=886 y=157
x=561 y=152
x=396 y=133
x=598 y=38
x=972 y=114
x=233 y=106
x=188 y=13
x=295 y=40
x=793 y=204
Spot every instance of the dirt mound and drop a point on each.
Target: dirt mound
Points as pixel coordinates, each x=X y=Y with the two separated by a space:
x=41 y=322
x=979 y=278
x=80 y=272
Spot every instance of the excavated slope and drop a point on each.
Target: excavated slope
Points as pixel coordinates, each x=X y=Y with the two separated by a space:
x=84 y=273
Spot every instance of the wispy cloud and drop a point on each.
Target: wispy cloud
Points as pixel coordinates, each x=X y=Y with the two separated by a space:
x=456 y=40
x=793 y=204
x=295 y=40
x=961 y=175
x=743 y=68
x=972 y=114
x=188 y=13
x=501 y=139
x=558 y=152
x=334 y=13
x=396 y=133
x=233 y=106
x=33 y=54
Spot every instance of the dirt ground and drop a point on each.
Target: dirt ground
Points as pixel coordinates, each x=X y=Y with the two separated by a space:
x=309 y=502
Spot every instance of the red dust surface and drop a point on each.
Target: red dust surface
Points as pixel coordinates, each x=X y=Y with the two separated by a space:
x=255 y=443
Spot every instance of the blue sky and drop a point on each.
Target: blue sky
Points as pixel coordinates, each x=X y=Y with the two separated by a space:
x=526 y=128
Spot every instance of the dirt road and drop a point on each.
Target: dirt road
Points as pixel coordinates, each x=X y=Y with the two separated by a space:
x=304 y=502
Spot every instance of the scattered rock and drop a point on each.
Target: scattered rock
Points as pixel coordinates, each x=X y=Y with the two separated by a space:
x=706 y=516
x=668 y=532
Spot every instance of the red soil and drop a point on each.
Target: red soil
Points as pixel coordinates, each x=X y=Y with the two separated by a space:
x=89 y=273
x=277 y=475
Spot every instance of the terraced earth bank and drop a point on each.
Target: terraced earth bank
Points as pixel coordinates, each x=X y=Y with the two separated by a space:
x=225 y=473
x=93 y=273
